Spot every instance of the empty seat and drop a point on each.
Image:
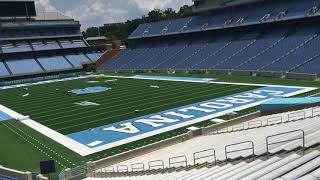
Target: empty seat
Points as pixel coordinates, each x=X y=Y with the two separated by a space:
x=24 y=66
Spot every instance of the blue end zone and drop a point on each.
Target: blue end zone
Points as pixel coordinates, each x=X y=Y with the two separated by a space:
x=4 y=116
x=167 y=78
x=146 y=126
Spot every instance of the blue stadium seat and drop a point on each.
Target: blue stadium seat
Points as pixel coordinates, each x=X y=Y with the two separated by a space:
x=78 y=59
x=50 y=45
x=24 y=66
x=21 y=47
x=54 y=63
x=94 y=56
x=3 y=70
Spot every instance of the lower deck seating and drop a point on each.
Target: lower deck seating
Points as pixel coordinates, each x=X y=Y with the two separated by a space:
x=24 y=66
x=3 y=70
x=293 y=166
x=94 y=56
x=77 y=60
x=282 y=50
x=218 y=141
x=55 y=63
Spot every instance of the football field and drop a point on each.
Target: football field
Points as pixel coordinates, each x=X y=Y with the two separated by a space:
x=56 y=107
x=52 y=106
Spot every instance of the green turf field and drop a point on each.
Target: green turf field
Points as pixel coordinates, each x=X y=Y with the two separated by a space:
x=58 y=111
x=25 y=147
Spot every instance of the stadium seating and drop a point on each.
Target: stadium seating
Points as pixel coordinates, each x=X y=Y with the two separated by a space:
x=72 y=44
x=94 y=56
x=55 y=63
x=25 y=66
x=219 y=141
x=77 y=60
x=251 y=14
x=284 y=159
x=3 y=70
x=279 y=50
x=293 y=166
x=48 y=45
x=21 y=47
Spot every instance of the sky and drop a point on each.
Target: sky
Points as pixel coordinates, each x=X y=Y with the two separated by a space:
x=99 y=12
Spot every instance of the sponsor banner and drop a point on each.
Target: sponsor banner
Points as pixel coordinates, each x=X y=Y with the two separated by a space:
x=116 y=134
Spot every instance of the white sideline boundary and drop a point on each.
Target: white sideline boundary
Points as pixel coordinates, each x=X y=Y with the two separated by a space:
x=211 y=82
x=50 y=133
x=83 y=150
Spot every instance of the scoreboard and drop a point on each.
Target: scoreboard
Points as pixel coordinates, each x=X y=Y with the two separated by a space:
x=15 y=8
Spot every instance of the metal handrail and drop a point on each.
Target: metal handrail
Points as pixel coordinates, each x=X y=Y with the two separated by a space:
x=239 y=150
x=315 y=111
x=206 y=156
x=296 y=114
x=277 y=119
x=172 y=162
x=283 y=141
x=259 y=122
x=125 y=166
x=152 y=166
x=133 y=167
x=238 y=125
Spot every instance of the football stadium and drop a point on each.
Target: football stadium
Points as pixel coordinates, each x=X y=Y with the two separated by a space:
x=219 y=90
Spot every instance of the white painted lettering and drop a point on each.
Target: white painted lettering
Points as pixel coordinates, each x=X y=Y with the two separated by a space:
x=184 y=116
x=157 y=121
x=234 y=100
x=128 y=128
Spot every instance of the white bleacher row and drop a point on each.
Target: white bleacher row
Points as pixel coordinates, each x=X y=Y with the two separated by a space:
x=271 y=120
x=310 y=126
x=291 y=167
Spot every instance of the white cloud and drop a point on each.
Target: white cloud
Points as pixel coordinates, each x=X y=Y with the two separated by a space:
x=160 y=4
x=45 y=6
x=98 y=12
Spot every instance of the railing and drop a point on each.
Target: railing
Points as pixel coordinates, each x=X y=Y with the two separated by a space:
x=255 y=124
x=205 y=154
x=296 y=116
x=154 y=165
x=178 y=160
x=79 y=170
x=274 y=120
x=268 y=143
x=137 y=167
x=62 y=175
x=208 y=154
x=122 y=168
x=249 y=148
x=316 y=111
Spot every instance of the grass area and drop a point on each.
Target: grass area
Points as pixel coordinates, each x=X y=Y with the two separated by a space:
x=58 y=111
x=23 y=148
